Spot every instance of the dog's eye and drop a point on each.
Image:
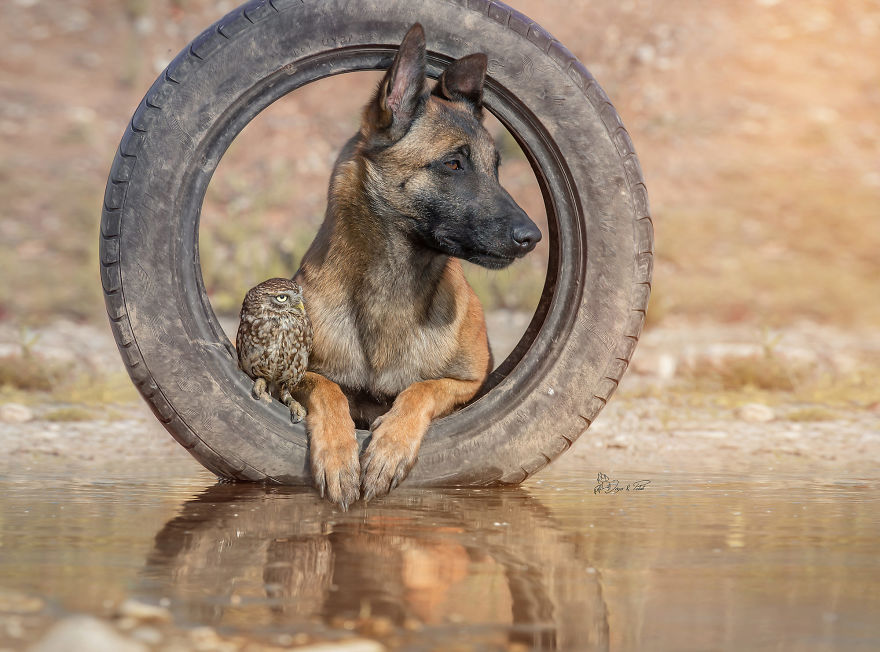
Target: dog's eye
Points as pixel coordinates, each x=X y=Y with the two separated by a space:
x=454 y=164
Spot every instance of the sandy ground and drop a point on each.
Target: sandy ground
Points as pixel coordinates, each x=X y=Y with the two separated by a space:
x=660 y=419
x=763 y=185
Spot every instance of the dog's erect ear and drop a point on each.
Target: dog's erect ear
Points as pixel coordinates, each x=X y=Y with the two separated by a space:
x=463 y=81
x=399 y=96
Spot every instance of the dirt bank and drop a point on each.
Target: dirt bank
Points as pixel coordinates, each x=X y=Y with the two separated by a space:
x=697 y=398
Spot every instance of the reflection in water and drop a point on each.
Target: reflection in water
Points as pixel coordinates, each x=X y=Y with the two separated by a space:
x=487 y=565
x=688 y=563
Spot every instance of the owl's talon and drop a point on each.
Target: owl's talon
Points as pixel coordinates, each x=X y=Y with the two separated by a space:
x=259 y=390
x=297 y=412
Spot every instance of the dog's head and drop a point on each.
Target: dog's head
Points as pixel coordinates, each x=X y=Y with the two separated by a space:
x=431 y=166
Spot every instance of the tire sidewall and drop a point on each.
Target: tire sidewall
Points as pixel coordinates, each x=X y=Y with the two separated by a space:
x=585 y=343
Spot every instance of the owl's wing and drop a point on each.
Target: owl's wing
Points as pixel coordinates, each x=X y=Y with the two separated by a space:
x=251 y=356
x=248 y=349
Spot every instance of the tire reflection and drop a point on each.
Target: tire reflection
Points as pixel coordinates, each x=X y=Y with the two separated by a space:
x=488 y=566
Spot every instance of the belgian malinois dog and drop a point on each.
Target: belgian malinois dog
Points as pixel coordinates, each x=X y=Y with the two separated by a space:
x=399 y=335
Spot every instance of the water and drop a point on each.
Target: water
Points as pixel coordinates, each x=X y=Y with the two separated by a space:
x=687 y=563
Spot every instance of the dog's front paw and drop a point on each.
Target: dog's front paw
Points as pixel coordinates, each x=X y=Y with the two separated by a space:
x=333 y=455
x=392 y=452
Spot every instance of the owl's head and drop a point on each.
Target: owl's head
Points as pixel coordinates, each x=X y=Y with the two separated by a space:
x=278 y=295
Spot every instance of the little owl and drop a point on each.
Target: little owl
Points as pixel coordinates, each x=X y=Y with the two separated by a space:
x=274 y=341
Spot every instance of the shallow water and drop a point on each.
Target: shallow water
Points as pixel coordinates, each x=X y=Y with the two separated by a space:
x=686 y=563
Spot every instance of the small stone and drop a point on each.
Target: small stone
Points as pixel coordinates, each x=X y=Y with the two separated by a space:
x=379 y=627
x=710 y=434
x=348 y=645
x=144 y=25
x=82 y=115
x=12 y=602
x=645 y=53
x=14 y=627
x=756 y=413
x=85 y=634
x=203 y=635
x=142 y=611
x=15 y=413
x=667 y=365
x=159 y=64
x=148 y=635
x=412 y=625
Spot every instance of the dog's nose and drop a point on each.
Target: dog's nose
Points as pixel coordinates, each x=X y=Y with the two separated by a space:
x=526 y=236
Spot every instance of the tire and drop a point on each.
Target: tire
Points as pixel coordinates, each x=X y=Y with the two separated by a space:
x=582 y=336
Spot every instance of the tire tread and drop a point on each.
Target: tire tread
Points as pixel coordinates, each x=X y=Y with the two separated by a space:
x=175 y=78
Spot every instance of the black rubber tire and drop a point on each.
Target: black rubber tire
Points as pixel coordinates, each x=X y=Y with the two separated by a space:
x=582 y=336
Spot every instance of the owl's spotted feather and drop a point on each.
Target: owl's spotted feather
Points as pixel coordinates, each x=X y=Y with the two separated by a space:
x=274 y=340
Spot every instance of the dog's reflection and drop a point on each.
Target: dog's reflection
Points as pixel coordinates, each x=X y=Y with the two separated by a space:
x=243 y=555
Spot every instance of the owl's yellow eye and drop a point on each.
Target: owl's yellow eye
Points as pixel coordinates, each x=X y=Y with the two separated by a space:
x=281 y=298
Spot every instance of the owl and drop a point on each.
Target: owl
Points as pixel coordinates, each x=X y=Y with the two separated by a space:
x=274 y=341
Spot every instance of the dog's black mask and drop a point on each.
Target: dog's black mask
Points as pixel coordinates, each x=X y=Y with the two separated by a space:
x=433 y=167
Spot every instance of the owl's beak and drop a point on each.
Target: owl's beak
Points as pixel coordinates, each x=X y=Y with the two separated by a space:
x=300 y=307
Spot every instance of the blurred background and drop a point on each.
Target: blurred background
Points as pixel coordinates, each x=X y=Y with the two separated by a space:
x=758 y=127
x=757 y=123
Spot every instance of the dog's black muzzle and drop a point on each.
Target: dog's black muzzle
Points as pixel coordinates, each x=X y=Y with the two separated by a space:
x=525 y=235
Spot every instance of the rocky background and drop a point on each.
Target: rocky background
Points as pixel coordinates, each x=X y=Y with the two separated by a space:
x=757 y=125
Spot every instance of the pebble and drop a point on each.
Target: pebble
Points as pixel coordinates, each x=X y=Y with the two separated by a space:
x=667 y=365
x=141 y=611
x=349 y=645
x=379 y=627
x=709 y=434
x=148 y=635
x=756 y=413
x=85 y=634
x=645 y=53
x=15 y=413
x=12 y=602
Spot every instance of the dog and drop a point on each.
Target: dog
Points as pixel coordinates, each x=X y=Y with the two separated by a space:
x=399 y=335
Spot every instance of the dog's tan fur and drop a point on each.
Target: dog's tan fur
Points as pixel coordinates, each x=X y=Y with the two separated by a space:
x=399 y=335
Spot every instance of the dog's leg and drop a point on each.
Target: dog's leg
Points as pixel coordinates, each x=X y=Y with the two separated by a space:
x=398 y=433
x=333 y=448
